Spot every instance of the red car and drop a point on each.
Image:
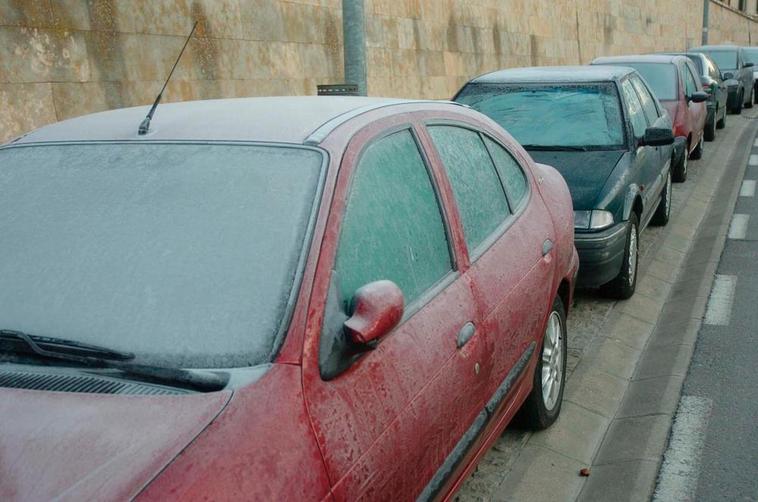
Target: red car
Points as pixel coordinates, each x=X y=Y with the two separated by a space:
x=676 y=84
x=275 y=299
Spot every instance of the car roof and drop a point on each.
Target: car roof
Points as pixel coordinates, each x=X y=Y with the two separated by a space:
x=717 y=48
x=290 y=119
x=639 y=58
x=554 y=74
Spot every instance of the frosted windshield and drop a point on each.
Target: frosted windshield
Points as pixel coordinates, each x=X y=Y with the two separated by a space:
x=184 y=254
x=582 y=115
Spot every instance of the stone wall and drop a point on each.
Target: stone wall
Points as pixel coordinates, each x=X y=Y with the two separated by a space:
x=63 y=58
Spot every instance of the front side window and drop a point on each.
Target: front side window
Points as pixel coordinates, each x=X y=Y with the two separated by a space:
x=476 y=186
x=186 y=255
x=647 y=101
x=552 y=114
x=392 y=227
x=636 y=114
x=690 y=86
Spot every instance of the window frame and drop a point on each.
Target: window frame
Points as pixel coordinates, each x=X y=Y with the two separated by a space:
x=515 y=213
x=410 y=308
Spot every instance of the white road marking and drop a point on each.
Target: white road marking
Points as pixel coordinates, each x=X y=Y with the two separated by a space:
x=719 y=310
x=738 y=227
x=748 y=188
x=681 y=462
x=753 y=160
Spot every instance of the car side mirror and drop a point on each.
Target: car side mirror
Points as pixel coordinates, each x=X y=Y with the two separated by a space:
x=748 y=65
x=657 y=136
x=698 y=97
x=377 y=310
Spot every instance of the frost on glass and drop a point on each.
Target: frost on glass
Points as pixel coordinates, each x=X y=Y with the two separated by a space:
x=581 y=115
x=510 y=172
x=726 y=60
x=184 y=254
x=392 y=228
x=661 y=77
x=476 y=187
x=636 y=114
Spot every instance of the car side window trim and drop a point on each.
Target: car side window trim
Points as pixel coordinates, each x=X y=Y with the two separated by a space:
x=510 y=219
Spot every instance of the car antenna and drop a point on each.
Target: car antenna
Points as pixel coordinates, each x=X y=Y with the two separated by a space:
x=144 y=127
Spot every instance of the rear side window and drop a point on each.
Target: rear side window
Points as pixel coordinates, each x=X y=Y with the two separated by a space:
x=648 y=104
x=393 y=226
x=476 y=185
x=510 y=172
x=636 y=115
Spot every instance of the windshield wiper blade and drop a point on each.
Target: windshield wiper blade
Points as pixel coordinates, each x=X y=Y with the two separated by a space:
x=557 y=148
x=101 y=357
x=54 y=347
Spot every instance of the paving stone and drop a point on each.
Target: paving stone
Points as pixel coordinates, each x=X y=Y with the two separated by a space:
x=642 y=307
x=636 y=438
x=664 y=361
x=631 y=330
x=577 y=433
x=596 y=391
x=653 y=287
x=541 y=474
x=650 y=396
x=615 y=358
x=628 y=481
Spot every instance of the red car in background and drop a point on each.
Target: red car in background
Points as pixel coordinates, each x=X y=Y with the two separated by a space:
x=275 y=299
x=675 y=81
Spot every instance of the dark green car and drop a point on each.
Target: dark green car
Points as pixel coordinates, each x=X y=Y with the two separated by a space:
x=609 y=137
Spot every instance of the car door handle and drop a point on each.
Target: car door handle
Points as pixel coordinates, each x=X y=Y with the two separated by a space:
x=547 y=246
x=465 y=334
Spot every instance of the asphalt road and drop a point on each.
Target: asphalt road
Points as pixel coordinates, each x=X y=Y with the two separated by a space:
x=720 y=394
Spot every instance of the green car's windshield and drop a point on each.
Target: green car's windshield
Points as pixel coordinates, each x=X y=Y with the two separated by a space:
x=726 y=60
x=184 y=254
x=552 y=115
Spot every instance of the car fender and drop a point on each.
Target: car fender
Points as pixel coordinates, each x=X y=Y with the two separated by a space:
x=633 y=192
x=555 y=194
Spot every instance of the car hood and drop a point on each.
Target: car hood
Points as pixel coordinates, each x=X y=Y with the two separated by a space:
x=76 y=446
x=585 y=172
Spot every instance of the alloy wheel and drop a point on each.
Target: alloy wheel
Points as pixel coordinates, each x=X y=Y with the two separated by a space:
x=632 y=261
x=552 y=361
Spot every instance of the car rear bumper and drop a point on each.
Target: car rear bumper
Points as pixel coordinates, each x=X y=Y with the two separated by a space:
x=601 y=255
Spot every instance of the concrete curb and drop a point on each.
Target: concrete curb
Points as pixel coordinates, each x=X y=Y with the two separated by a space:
x=618 y=390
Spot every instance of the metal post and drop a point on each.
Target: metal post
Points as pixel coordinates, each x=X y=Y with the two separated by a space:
x=706 y=8
x=354 y=35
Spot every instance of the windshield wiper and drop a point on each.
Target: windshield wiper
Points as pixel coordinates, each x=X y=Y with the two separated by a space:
x=557 y=148
x=102 y=357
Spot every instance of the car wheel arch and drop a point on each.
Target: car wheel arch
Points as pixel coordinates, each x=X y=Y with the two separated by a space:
x=633 y=203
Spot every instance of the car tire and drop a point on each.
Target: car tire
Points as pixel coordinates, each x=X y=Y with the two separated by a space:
x=680 y=169
x=721 y=123
x=710 y=129
x=663 y=212
x=738 y=107
x=697 y=153
x=749 y=102
x=623 y=285
x=543 y=405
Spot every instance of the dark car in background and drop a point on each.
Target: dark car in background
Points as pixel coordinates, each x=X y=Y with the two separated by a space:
x=736 y=71
x=751 y=56
x=713 y=84
x=674 y=81
x=608 y=135
x=258 y=268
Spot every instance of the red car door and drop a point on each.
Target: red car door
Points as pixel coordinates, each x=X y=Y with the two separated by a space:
x=511 y=258
x=696 y=111
x=388 y=420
